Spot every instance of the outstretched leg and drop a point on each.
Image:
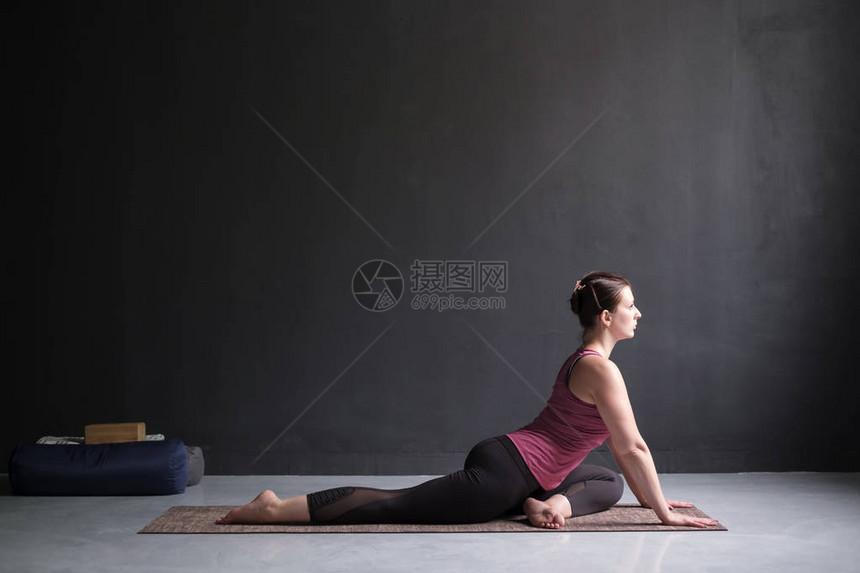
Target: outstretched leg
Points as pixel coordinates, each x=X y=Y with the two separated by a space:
x=269 y=508
x=490 y=484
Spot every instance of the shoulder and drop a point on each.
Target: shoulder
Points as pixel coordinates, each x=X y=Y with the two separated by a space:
x=598 y=367
x=594 y=375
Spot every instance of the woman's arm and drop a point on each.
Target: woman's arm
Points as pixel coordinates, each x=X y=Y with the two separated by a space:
x=634 y=487
x=628 y=475
x=627 y=446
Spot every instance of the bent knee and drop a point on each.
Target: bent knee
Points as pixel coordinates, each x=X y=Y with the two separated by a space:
x=617 y=489
x=603 y=492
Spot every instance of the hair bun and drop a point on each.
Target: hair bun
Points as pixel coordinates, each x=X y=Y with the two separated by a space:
x=575 y=304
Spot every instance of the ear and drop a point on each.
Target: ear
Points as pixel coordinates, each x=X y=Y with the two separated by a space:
x=605 y=317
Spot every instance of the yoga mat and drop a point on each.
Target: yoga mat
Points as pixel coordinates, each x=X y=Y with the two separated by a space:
x=201 y=519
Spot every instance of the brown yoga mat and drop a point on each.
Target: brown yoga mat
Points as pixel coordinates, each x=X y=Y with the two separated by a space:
x=201 y=519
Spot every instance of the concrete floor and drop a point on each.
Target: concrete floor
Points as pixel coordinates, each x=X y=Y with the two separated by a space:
x=805 y=522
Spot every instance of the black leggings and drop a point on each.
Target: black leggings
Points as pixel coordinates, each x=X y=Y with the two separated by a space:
x=494 y=481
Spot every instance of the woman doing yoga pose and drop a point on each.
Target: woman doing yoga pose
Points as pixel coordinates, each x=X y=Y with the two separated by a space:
x=535 y=470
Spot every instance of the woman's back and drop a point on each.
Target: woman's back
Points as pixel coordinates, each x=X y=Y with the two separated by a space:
x=564 y=432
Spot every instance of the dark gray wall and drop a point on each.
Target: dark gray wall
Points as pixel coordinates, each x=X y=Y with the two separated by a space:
x=194 y=186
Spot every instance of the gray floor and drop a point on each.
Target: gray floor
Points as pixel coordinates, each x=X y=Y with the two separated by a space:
x=777 y=522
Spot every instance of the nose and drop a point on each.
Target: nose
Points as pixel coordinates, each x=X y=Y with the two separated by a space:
x=638 y=314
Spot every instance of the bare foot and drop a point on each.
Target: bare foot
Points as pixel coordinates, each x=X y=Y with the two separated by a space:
x=542 y=514
x=263 y=509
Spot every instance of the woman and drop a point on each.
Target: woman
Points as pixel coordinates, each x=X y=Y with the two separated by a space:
x=536 y=470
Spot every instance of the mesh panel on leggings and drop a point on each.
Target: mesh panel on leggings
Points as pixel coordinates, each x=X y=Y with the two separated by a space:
x=334 y=505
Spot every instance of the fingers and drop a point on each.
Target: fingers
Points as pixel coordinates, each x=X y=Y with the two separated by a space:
x=689 y=521
x=673 y=503
x=702 y=522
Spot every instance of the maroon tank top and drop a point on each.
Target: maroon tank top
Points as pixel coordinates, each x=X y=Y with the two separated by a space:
x=563 y=433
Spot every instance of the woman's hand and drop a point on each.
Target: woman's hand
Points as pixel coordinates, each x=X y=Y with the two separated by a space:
x=671 y=503
x=685 y=520
x=688 y=521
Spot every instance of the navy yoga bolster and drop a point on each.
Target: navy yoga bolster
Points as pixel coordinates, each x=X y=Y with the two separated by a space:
x=131 y=468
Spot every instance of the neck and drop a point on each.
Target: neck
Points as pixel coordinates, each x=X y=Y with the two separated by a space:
x=599 y=340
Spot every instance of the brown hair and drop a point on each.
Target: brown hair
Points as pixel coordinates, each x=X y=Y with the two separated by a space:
x=595 y=292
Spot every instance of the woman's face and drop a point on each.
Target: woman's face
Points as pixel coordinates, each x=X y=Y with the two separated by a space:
x=625 y=316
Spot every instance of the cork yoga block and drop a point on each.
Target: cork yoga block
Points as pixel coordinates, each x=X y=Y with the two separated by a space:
x=113 y=433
